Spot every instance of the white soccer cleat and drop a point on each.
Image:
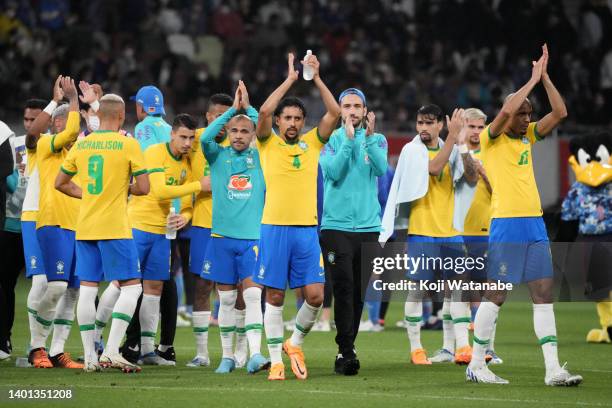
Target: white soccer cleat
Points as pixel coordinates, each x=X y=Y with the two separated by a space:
x=365 y=326
x=442 y=356
x=289 y=325
x=321 y=326
x=181 y=321
x=495 y=359
x=198 y=361
x=483 y=375
x=563 y=378
x=4 y=355
x=153 y=358
x=92 y=367
x=117 y=361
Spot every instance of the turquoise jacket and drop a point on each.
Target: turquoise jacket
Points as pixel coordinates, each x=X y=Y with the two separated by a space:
x=238 y=186
x=152 y=130
x=350 y=171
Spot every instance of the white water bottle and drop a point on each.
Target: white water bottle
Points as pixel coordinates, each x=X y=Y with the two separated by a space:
x=170 y=231
x=308 y=71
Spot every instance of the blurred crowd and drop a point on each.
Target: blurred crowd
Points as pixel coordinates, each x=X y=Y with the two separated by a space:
x=402 y=53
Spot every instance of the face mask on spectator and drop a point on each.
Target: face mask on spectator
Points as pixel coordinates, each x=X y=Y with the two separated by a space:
x=94 y=122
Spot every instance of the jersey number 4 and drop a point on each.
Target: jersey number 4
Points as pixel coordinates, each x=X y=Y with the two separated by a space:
x=95 y=170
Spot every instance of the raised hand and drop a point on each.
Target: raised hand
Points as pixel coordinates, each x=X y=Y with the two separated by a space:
x=58 y=94
x=371 y=123
x=292 y=74
x=349 y=129
x=244 y=95
x=462 y=136
x=314 y=63
x=545 y=63
x=455 y=124
x=69 y=88
x=88 y=93
x=536 y=70
x=237 y=96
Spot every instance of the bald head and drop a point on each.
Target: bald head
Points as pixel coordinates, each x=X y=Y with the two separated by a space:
x=111 y=112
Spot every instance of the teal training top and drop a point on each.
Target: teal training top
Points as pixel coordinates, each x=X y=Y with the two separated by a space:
x=152 y=130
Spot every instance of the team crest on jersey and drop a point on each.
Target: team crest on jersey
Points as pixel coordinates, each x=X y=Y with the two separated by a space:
x=331 y=257
x=525 y=140
x=33 y=262
x=503 y=269
x=303 y=145
x=261 y=273
x=250 y=162
x=183 y=175
x=206 y=267
x=60 y=267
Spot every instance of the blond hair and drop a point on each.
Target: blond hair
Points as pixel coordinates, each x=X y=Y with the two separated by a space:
x=474 y=113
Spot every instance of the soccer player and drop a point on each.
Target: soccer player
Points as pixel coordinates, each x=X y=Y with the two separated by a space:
x=351 y=162
x=200 y=233
x=29 y=208
x=289 y=249
x=431 y=231
x=151 y=128
x=169 y=173
x=478 y=218
x=519 y=250
x=55 y=225
x=238 y=198
x=104 y=163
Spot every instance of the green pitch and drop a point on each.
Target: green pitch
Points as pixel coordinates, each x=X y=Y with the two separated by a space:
x=386 y=377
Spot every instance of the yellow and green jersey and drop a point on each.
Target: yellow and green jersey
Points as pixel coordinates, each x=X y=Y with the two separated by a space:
x=478 y=218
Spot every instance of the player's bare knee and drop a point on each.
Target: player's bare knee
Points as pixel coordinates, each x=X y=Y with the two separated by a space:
x=153 y=287
x=275 y=297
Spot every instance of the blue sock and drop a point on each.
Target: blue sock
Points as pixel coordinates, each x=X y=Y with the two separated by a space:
x=373 y=311
x=473 y=309
x=216 y=309
x=427 y=308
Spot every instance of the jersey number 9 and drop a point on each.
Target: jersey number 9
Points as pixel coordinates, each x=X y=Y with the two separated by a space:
x=95 y=171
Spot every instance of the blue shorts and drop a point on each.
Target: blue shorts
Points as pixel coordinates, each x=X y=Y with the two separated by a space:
x=476 y=246
x=289 y=255
x=200 y=237
x=519 y=250
x=153 y=254
x=34 y=261
x=107 y=260
x=433 y=251
x=57 y=245
x=229 y=261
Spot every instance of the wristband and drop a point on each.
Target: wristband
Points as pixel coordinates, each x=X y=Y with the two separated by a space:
x=95 y=105
x=462 y=148
x=50 y=108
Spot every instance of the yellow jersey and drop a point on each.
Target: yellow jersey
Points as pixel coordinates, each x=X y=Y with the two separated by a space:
x=432 y=215
x=31 y=215
x=104 y=162
x=56 y=208
x=509 y=167
x=202 y=206
x=290 y=172
x=169 y=177
x=478 y=218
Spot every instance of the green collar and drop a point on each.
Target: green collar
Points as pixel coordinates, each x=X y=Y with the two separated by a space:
x=179 y=158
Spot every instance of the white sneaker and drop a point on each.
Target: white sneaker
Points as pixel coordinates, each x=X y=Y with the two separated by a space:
x=289 y=325
x=365 y=326
x=91 y=367
x=182 y=322
x=442 y=356
x=199 y=362
x=117 y=361
x=563 y=378
x=377 y=328
x=241 y=355
x=483 y=375
x=321 y=326
x=153 y=358
x=4 y=355
x=402 y=324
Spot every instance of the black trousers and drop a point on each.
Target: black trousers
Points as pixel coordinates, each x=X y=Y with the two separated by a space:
x=11 y=248
x=342 y=255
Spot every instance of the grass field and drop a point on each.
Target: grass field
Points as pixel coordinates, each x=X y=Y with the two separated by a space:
x=386 y=377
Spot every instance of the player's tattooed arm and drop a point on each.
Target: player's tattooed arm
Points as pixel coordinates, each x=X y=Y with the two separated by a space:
x=43 y=120
x=483 y=174
x=514 y=102
x=64 y=183
x=328 y=122
x=266 y=112
x=559 y=110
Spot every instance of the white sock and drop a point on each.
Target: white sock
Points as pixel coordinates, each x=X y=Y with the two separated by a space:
x=460 y=312
x=86 y=316
x=413 y=312
x=46 y=312
x=149 y=316
x=105 y=308
x=62 y=323
x=546 y=331
x=200 y=331
x=273 y=325
x=448 y=331
x=305 y=319
x=241 y=350
x=227 y=321
x=492 y=341
x=122 y=315
x=483 y=326
x=39 y=286
x=253 y=319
